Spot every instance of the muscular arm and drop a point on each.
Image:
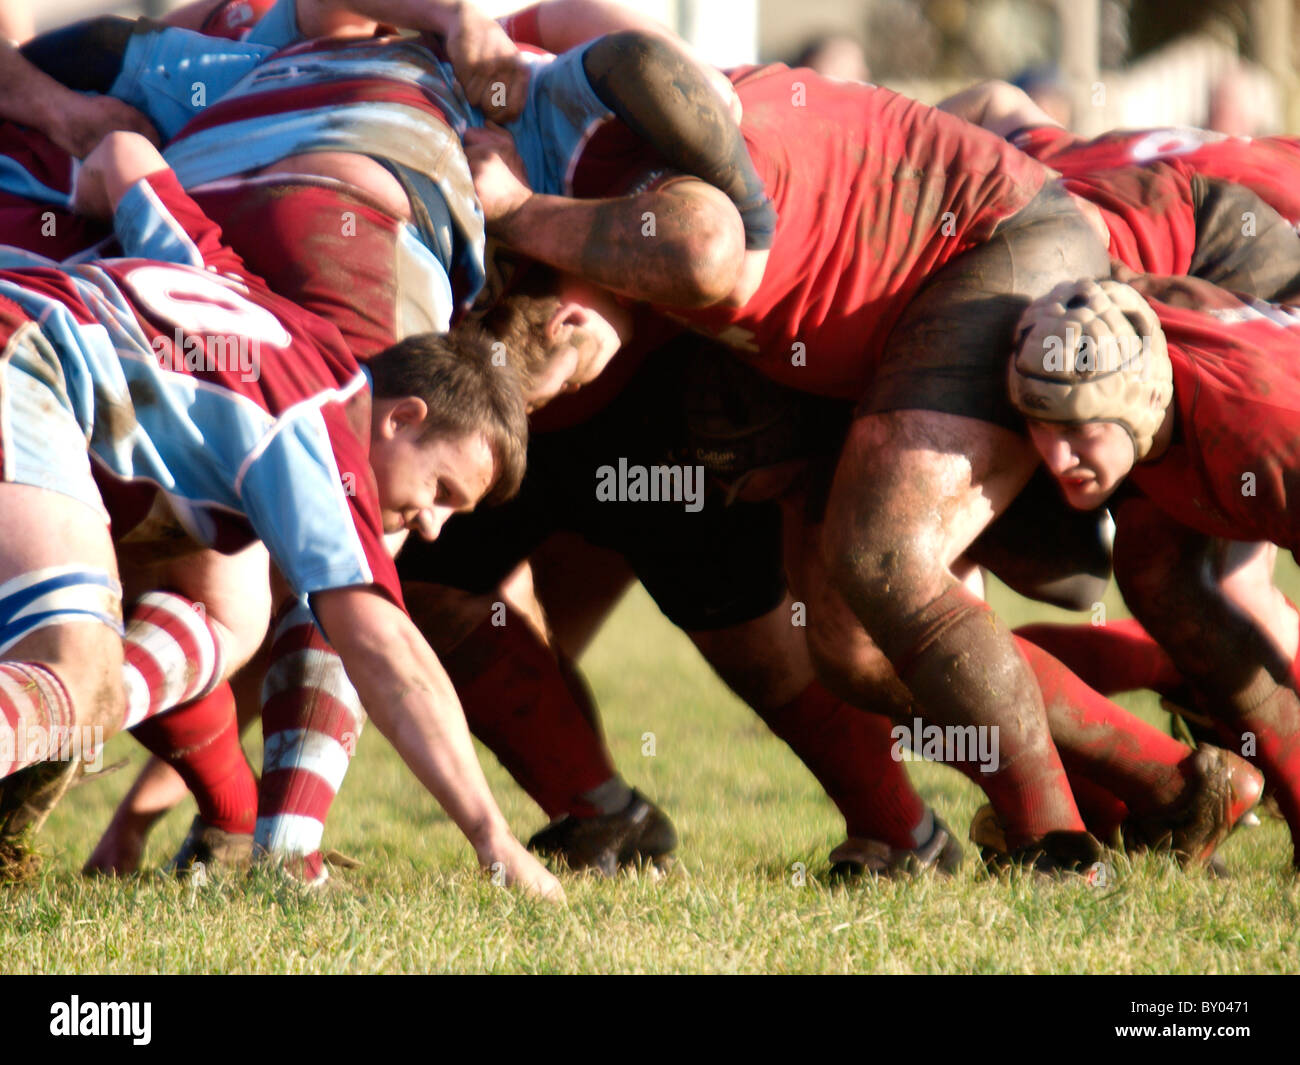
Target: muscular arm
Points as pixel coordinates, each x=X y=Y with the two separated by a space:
x=565 y=24
x=15 y=20
x=998 y=107
x=72 y=120
x=409 y=697
x=681 y=245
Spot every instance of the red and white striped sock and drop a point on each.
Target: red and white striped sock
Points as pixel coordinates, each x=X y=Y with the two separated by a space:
x=33 y=703
x=311 y=718
x=172 y=655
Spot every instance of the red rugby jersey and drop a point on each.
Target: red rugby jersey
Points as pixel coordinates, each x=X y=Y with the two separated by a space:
x=246 y=411
x=874 y=192
x=1268 y=166
x=1233 y=469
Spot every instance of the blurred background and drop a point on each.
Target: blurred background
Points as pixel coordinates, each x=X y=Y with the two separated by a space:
x=1096 y=64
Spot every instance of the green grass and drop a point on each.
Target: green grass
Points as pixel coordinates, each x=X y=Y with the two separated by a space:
x=747 y=813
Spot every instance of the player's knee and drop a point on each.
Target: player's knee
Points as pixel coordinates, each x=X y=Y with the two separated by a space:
x=874 y=567
x=68 y=619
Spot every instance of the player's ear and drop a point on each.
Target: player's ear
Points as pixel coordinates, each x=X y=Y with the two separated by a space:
x=404 y=413
x=567 y=317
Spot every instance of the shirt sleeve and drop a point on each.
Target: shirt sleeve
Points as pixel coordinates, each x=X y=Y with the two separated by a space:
x=158 y=220
x=310 y=497
x=171 y=74
x=560 y=115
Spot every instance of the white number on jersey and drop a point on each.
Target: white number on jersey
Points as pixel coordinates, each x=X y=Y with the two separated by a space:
x=200 y=304
x=1170 y=143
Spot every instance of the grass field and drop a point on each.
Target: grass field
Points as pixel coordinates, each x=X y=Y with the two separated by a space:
x=747 y=813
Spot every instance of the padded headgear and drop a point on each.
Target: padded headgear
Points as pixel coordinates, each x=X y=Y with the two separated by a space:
x=1093 y=351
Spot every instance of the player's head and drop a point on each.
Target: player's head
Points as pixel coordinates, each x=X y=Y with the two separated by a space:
x=563 y=329
x=448 y=428
x=1092 y=375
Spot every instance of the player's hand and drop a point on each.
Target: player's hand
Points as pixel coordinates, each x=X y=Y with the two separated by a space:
x=488 y=65
x=500 y=179
x=86 y=120
x=510 y=865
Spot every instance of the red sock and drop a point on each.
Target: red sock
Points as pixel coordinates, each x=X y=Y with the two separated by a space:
x=201 y=742
x=517 y=703
x=1269 y=738
x=1118 y=656
x=311 y=718
x=849 y=751
x=1104 y=742
x=1102 y=812
x=172 y=655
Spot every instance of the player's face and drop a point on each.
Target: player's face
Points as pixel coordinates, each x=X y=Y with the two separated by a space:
x=423 y=482
x=1088 y=461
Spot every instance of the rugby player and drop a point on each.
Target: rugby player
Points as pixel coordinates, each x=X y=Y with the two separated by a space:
x=861 y=309
x=1172 y=796
x=715 y=571
x=219 y=144
x=298 y=454
x=1185 y=394
x=1267 y=166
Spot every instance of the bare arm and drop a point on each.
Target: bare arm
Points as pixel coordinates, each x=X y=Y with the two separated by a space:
x=409 y=697
x=16 y=20
x=117 y=163
x=76 y=122
x=998 y=107
x=565 y=24
x=681 y=245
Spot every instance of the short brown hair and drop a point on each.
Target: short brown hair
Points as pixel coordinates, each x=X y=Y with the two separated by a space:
x=469 y=386
x=520 y=317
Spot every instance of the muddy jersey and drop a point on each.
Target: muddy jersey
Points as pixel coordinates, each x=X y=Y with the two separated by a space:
x=35 y=185
x=192 y=380
x=1233 y=469
x=326 y=246
x=874 y=192
x=1149 y=212
x=386 y=99
x=1268 y=166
